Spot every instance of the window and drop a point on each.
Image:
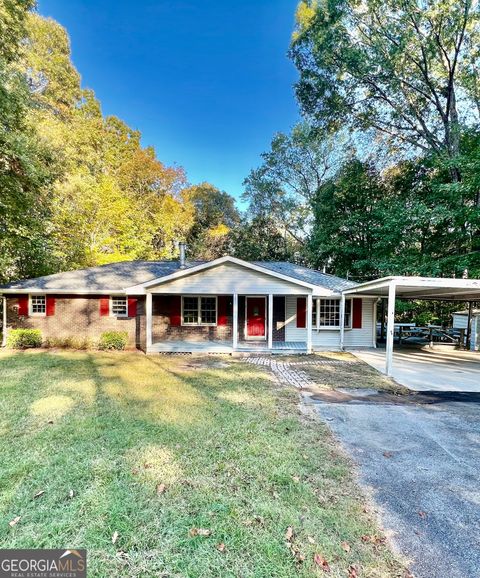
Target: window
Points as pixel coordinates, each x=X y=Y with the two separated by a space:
x=119 y=307
x=329 y=313
x=38 y=305
x=199 y=310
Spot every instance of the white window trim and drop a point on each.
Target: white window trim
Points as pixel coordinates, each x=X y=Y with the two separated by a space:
x=112 y=314
x=30 y=305
x=319 y=327
x=199 y=307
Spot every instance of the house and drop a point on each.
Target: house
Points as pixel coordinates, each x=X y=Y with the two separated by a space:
x=460 y=321
x=223 y=305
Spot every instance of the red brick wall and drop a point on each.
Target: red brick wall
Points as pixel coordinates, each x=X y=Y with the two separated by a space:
x=79 y=316
x=163 y=331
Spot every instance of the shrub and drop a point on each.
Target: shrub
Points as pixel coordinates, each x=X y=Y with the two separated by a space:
x=70 y=342
x=113 y=340
x=24 y=338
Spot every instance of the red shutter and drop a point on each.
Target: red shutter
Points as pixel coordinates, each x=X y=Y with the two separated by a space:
x=175 y=311
x=301 y=312
x=222 y=313
x=23 y=305
x=104 y=306
x=50 y=308
x=132 y=307
x=357 y=314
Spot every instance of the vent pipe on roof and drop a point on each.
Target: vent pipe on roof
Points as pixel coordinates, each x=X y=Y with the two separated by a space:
x=181 y=248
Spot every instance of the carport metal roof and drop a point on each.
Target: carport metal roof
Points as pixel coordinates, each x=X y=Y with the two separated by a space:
x=437 y=288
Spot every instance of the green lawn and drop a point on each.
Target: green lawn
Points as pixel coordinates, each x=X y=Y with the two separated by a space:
x=98 y=433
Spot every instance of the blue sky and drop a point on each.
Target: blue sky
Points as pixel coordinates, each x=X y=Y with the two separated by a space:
x=207 y=82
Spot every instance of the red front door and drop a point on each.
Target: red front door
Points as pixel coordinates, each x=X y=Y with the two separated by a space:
x=256 y=317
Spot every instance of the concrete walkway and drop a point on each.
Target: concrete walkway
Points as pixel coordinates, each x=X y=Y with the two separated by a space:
x=422 y=466
x=423 y=370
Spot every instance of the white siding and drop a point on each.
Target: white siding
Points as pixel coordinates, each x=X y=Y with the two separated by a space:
x=230 y=278
x=330 y=338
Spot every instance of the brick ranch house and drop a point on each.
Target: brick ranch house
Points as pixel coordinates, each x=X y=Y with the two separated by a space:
x=224 y=305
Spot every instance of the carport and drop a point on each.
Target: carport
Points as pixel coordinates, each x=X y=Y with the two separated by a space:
x=425 y=288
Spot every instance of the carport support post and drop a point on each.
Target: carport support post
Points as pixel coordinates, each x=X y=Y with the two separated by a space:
x=390 y=327
x=342 y=322
x=148 y=311
x=309 y=322
x=235 y=321
x=270 y=321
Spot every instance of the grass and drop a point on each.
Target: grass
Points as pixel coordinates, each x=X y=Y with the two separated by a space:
x=355 y=374
x=98 y=433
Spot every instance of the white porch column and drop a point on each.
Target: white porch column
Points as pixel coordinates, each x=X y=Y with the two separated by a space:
x=270 y=321
x=149 y=319
x=390 y=327
x=309 y=322
x=235 y=321
x=342 y=322
x=4 y=321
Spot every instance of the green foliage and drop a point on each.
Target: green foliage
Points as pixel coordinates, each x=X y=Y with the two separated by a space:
x=215 y=215
x=24 y=338
x=261 y=239
x=113 y=340
x=407 y=69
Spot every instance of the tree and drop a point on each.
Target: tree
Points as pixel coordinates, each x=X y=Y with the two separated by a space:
x=215 y=216
x=260 y=239
x=284 y=186
x=407 y=69
x=27 y=167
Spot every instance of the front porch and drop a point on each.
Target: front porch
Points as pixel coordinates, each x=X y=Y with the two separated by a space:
x=225 y=324
x=226 y=347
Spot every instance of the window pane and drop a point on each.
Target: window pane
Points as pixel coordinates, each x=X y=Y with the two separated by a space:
x=119 y=306
x=38 y=304
x=348 y=312
x=190 y=310
x=329 y=312
x=209 y=310
x=314 y=313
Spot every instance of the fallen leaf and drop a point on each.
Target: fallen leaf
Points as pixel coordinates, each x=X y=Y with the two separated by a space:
x=134 y=472
x=387 y=454
x=147 y=466
x=50 y=422
x=422 y=514
x=320 y=561
x=161 y=489
x=221 y=547
x=346 y=546
x=14 y=521
x=199 y=532
x=289 y=534
x=311 y=540
x=374 y=539
x=38 y=494
x=122 y=554
x=114 y=537
x=296 y=478
x=352 y=572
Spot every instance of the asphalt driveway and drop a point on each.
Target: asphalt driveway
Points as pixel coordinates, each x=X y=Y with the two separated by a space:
x=422 y=464
x=423 y=369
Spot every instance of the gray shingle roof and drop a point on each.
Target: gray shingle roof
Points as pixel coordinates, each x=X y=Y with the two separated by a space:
x=114 y=276
x=119 y=276
x=308 y=275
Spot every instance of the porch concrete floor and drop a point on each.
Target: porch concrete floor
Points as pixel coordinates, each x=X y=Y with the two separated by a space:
x=226 y=347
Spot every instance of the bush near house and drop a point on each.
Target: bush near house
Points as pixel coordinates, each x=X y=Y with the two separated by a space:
x=113 y=340
x=70 y=342
x=24 y=338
